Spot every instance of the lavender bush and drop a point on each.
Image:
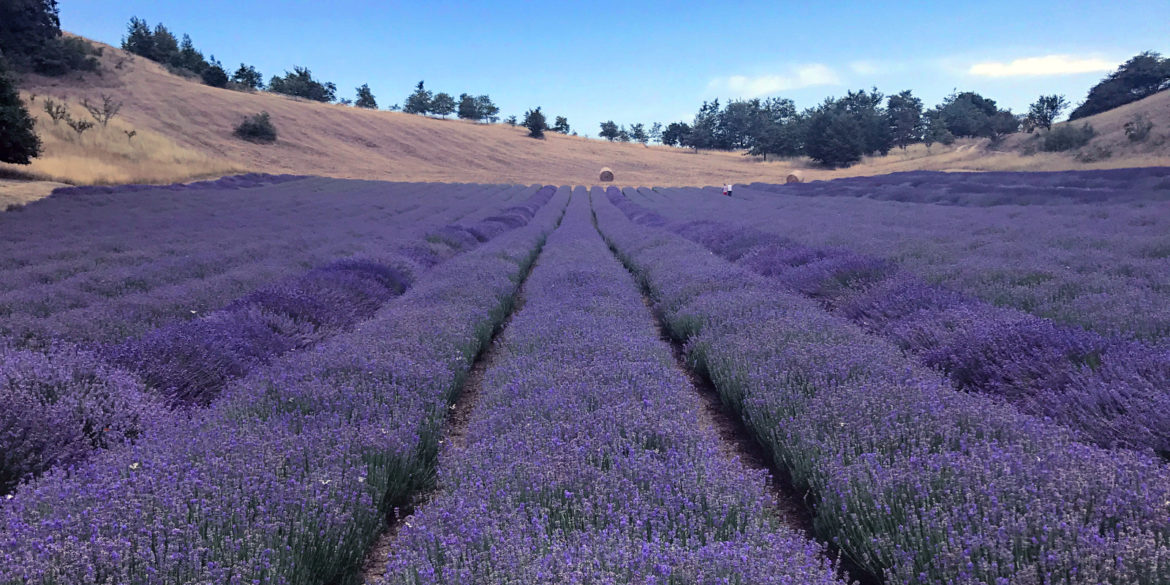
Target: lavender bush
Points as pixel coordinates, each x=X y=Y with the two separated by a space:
x=914 y=480
x=288 y=476
x=1102 y=265
x=583 y=462
x=98 y=268
x=1109 y=391
x=56 y=408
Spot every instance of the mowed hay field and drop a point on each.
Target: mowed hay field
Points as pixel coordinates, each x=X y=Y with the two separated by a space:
x=184 y=131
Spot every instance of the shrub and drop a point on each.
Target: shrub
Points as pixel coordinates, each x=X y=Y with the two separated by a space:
x=257 y=128
x=1067 y=137
x=1093 y=154
x=1138 y=128
x=214 y=75
x=300 y=83
x=535 y=123
x=103 y=112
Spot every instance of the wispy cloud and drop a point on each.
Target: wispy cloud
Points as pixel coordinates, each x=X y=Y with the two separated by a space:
x=797 y=77
x=866 y=67
x=1042 y=66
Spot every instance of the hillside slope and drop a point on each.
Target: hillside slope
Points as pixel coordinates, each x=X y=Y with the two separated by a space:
x=183 y=130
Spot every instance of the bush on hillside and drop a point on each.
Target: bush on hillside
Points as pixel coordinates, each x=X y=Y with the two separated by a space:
x=300 y=83
x=535 y=123
x=1138 y=128
x=215 y=75
x=1067 y=137
x=257 y=128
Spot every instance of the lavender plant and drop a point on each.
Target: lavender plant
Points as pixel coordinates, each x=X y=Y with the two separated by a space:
x=1110 y=391
x=98 y=267
x=583 y=462
x=914 y=480
x=288 y=476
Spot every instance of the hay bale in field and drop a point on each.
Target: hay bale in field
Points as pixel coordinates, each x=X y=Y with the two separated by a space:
x=794 y=177
x=606 y=175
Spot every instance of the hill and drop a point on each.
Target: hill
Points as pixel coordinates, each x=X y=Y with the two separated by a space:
x=183 y=130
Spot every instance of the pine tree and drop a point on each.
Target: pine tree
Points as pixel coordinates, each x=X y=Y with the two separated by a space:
x=418 y=102
x=18 y=140
x=535 y=123
x=365 y=98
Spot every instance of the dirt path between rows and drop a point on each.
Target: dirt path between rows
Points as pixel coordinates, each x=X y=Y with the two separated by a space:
x=790 y=506
x=454 y=438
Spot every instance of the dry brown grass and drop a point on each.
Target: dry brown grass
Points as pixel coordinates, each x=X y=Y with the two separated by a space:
x=108 y=155
x=185 y=131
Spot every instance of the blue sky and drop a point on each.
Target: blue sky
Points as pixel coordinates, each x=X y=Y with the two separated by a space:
x=657 y=61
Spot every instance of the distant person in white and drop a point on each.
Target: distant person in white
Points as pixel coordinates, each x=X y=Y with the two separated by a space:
x=727 y=189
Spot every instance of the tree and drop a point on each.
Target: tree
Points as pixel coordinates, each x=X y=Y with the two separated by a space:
x=30 y=39
x=365 y=98
x=214 y=75
x=609 y=130
x=487 y=110
x=511 y=121
x=190 y=58
x=676 y=134
x=1143 y=75
x=865 y=109
x=248 y=77
x=468 y=108
x=561 y=125
x=623 y=134
x=18 y=140
x=638 y=133
x=936 y=130
x=443 y=104
x=781 y=138
x=970 y=114
x=535 y=123
x=300 y=83
x=705 y=129
x=139 y=39
x=904 y=113
x=418 y=102
x=834 y=137
x=656 y=132
x=27 y=27
x=166 y=46
x=1043 y=112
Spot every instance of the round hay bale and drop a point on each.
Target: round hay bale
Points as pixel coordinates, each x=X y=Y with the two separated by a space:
x=794 y=177
x=606 y=175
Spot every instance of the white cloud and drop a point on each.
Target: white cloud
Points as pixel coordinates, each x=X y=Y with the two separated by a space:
x=1042 y=66
x=796 y=78
x=865 y=67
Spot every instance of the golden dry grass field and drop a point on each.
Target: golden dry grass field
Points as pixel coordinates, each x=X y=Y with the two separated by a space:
x=183 y=130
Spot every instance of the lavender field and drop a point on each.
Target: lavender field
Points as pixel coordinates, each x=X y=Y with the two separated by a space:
x=913 y=379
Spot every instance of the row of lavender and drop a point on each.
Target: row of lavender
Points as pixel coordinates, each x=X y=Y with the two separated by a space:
x=189 y=362
x=62 y=405
x=583 y=462
x=287 y=478
x=1103 y=266
x=97 y=268
x=914 y=480
x=996 y=188
x=1110 y=391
